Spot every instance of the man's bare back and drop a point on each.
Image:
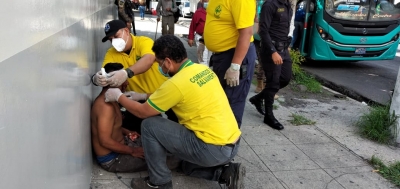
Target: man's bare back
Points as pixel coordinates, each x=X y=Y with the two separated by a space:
x=106 y=124
x=115 y=147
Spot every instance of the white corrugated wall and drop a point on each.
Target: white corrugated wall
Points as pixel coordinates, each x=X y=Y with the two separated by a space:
x=49 y=49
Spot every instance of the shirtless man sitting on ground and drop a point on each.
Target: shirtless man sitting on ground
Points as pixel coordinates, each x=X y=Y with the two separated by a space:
x=117 y=149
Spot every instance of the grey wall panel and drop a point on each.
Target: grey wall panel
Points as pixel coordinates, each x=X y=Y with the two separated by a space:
x=45 y=91
x=31 y=21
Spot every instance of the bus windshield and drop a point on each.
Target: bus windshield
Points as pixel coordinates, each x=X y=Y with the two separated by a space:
x=363 y=10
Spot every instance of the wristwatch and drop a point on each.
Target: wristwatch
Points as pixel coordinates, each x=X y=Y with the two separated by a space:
x=129 y=72
x=235 y=67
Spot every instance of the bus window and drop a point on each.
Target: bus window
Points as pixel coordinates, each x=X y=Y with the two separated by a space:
x=383 y=10
x=348 y=9
x=357 y=10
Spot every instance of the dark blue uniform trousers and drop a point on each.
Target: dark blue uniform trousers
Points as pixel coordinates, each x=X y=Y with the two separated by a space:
x=236 y=95
x=277 y=76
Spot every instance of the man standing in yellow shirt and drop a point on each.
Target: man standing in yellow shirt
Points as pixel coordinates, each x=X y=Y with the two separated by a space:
x=140 y=69
x=207 y=133
x=229 y=34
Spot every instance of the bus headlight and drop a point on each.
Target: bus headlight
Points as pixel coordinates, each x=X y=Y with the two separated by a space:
x=324 y=35
x=395 y=37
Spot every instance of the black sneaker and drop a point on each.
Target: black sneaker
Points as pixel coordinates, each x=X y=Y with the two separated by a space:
x=233 y=175
x=140 y=183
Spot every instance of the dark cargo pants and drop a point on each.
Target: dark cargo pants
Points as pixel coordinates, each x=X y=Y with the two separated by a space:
x=236 y=95
x=277 y=76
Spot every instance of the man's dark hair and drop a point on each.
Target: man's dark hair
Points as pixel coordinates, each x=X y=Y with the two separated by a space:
x=110 y=67
x=169 y=46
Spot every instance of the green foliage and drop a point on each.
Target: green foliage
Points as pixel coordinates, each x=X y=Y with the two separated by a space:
x=378 y=124
x=297 y=59
x=300 y=120
x=254 y=81
x=391 y=172
x=300 y=77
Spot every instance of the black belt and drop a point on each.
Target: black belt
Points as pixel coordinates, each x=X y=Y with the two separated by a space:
x=280 y=45
x=232 y=145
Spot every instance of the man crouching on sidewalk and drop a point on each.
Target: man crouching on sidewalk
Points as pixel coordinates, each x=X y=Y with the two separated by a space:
x=207 y=136
x=117 y=149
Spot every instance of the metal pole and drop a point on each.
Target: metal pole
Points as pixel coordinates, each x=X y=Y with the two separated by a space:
x=155 y=36
x=395 y=106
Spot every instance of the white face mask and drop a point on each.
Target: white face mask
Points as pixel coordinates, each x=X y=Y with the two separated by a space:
x=119 y=43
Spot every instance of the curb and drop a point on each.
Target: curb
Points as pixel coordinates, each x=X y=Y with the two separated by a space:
x=345 y=91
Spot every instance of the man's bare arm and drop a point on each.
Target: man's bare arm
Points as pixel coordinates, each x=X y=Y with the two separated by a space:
x=105 y=125
x=143 y=64
x=242 y=45
x=125 y=131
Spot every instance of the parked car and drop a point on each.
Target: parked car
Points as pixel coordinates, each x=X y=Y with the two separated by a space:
x=187 y=7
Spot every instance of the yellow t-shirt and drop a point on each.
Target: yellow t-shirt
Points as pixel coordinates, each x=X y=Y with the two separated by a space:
x=224 y=18
x=199 y=102
x=147 y=82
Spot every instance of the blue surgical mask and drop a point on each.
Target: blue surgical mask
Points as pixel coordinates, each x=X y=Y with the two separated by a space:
x=205 y=5
x=162 y=72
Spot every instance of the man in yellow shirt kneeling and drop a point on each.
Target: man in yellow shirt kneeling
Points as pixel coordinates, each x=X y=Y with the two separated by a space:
x=207 y=136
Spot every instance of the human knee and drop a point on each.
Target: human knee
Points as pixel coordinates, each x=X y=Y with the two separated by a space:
x=284 y=82
x=149 y=124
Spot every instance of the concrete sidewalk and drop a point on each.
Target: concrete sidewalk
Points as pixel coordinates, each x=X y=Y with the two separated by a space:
x=327 y=155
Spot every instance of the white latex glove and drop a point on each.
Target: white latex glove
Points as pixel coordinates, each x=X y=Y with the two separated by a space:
x=113 y=94
x=232 y=75
x=116 y=78
x=99 y=79
x=135 y=96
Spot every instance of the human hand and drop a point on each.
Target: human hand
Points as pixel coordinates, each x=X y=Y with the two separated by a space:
x=116 y=78
x=158 y=19
x=135 y=96
x=168 y=9
x=138 y=152
x=113 y=94
x=99 y=79
x=190 y=42
x=232 y=75
x=277 y=58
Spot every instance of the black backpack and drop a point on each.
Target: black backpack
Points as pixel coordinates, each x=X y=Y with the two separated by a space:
x=128 y=7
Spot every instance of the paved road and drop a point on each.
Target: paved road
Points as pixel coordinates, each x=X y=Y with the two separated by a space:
x=369 y=81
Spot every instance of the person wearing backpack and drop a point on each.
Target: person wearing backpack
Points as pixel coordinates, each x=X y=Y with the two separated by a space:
x=126 y=14
x=166 y=9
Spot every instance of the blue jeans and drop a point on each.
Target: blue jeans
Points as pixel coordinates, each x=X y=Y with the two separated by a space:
x=236 y=95
x=142 y=9
x=160 y=135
